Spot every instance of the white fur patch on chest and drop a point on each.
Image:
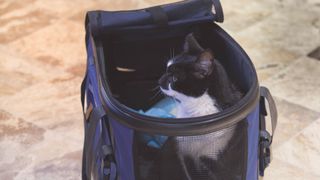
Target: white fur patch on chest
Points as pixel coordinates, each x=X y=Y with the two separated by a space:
x=195 y=107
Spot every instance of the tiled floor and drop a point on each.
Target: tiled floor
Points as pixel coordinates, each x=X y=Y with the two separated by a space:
x=42 y=59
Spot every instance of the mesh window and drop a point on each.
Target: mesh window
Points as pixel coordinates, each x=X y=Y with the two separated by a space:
x=220 y=155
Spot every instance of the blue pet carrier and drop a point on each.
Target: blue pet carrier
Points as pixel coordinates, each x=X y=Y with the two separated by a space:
x=126 y=55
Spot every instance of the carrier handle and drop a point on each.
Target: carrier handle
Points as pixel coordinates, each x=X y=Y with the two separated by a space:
x=265 y=140
x=218 y=11
x=159 y=16
x=264 y=92
x=82 y=93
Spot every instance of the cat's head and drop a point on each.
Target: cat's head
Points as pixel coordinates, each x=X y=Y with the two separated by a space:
x=187 y=74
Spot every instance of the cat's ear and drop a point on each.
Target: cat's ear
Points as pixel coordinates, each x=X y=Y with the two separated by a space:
x=203 y=67
x=191 y=45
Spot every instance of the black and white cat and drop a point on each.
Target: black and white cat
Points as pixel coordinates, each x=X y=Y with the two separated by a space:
x=201 y=85
x=198 y=81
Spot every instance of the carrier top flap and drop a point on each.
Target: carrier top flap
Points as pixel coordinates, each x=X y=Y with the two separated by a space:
x=184 y=12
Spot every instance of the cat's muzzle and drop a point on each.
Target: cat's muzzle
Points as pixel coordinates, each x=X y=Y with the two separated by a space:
x=164 y=82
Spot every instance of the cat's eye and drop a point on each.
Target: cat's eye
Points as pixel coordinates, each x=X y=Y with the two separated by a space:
x=174 y=78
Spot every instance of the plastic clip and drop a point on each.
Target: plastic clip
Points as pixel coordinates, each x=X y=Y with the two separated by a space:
x=108 y=164
x=265 y=150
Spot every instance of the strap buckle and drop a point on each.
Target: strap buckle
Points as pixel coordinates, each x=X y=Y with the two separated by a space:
x=108 y=164
x=265 y=151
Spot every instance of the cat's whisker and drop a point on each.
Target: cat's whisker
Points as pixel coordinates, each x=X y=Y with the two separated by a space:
x=175 y=101
x=155 y=95
x=155 y=88
x=173 y=52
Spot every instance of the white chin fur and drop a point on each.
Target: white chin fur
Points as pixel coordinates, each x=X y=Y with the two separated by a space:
x=169 y=92
x=175 y=94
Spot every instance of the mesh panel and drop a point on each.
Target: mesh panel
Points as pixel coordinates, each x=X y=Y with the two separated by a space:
x=220 y=155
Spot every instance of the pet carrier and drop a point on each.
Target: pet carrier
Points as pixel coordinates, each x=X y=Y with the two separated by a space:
x=126 y=55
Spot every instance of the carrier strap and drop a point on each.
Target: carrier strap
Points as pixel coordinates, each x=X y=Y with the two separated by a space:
x=265 y=93
x=159 y=16
x=93 y=121
x=84 y=164
x=92 y=117
x=82 y=91
x=265 y=137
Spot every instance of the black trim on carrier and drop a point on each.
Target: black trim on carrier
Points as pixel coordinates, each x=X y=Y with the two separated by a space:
x=177 y=127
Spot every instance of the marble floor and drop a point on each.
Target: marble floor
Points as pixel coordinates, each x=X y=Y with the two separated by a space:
x=42 y=61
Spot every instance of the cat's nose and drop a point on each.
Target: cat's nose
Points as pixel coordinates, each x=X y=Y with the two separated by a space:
x=163 y=82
